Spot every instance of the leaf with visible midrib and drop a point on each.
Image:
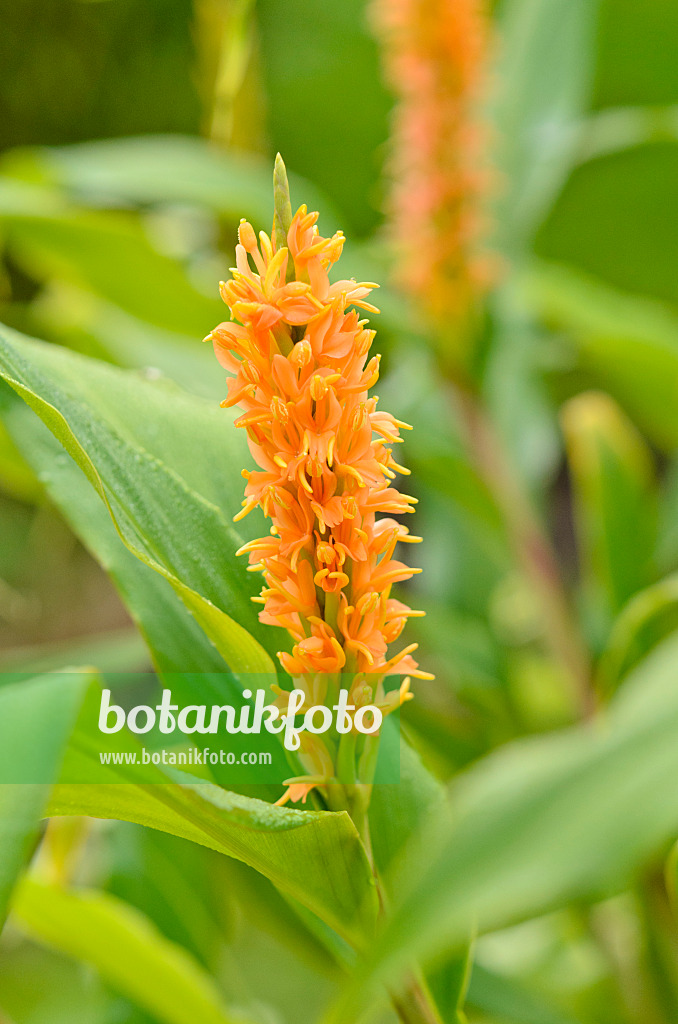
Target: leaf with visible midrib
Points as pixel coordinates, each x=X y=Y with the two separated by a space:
x=162 y=464
x=294 y=849
x=176 y=641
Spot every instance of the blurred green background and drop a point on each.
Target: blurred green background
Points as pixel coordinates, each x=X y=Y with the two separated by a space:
x=134 y=136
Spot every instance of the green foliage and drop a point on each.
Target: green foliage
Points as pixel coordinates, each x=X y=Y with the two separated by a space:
x=125 y=949
x=636 y=252
x=16 y=477
x=635 y=43
x=615 y=495
x=292 y=848
x=171 y=524
x=539 y=825
x=84 y=248
x=506 y=1001
x=646 y=619
x=36 y=718
x=156 y=170
x=544 y=834
x=548 y=59
x=176 y=642
x=625 y=344
x=86 y=71
x=348 y=111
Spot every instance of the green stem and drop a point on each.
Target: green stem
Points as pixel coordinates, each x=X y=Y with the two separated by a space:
x=660 y=947
x=346 y=758
x=368 y=761
x=414 y=1003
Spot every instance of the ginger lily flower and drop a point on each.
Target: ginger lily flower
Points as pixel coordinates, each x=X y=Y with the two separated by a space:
x=435 y=57
x=298 y=353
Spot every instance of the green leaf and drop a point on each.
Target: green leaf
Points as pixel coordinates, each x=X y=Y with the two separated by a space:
x=294 y=849
x=615 y=498
x=21 y=808
x=627 y=344
x=296 y=928
x=36 y=718
x=175 y=640
x=671 y=874
x=162 y=464
x=339 y=152
x=115 y=650
x=635 y=53
x=16 y=478
x=607 y=221
x=539 y=824
x=618 y=128
x=546 y=68
x=109 y=254
x=506 y=1000
x=85 y=323
x=397 y=811
x=38 y=985
x=125 y=948
x=648 y=618
x=173 y=883
x=522 y=413
x=82 y=764
x=155 y=290
x=449 y=986
x=159 y=170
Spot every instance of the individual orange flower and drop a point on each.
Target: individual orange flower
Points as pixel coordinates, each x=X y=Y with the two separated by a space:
x=299 y=355
x=316 y=760
x=435 y=56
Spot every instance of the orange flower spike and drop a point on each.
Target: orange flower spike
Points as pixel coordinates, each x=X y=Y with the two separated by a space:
x=299 y=358
x=435 y=56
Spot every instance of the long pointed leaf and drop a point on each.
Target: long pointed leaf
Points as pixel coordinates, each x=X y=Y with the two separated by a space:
x=36 y=717
x=540 y=824
x=314 y=856
x=125 y=948
x=167 y=522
